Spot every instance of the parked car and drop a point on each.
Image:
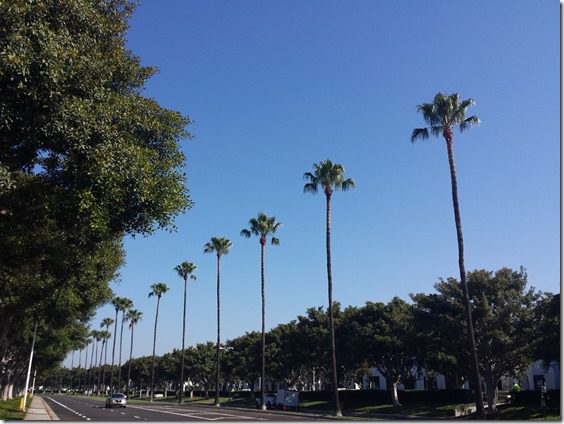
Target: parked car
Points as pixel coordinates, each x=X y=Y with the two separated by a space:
x=116 y=399
x=269 y=400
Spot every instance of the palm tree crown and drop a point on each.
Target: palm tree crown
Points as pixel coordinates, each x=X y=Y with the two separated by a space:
x=185 y=270
x=219 y=245
x=133 y=316
x=106 y=322
x=262 y=226
x=158 y=289
x=442 y=115
x=330 y=176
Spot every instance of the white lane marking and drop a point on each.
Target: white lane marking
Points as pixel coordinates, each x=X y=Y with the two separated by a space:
x=135 y=416
x=122 y=413
x=66 y=407
x=175 y=413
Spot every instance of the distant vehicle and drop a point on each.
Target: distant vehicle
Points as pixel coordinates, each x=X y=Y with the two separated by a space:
x=269 y=400
x=116 y=399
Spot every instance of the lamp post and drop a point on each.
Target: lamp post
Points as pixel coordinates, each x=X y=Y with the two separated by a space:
x=29 y=368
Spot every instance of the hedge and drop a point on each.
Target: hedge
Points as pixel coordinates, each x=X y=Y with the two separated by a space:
x=532 y=397
x=382 y=397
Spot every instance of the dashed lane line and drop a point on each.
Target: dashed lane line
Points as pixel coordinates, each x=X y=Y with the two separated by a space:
x=162 y=411
x=70 y=409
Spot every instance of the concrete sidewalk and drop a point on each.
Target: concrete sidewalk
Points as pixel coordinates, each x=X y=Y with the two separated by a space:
x=40 y=411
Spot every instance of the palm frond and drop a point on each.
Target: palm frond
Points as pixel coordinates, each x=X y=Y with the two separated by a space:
x=348 y=184
x=275 y=241
x=468 y=122
x=422 y=133
x=310 y=188
x=309 y=176
x=245 y=233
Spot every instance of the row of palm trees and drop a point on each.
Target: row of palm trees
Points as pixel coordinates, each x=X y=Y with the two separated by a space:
x=442 y=115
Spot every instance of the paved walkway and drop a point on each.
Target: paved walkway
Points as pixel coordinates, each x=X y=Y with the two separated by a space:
x=39 y=411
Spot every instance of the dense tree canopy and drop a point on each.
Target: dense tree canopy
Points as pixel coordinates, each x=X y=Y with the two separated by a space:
x=84 y=160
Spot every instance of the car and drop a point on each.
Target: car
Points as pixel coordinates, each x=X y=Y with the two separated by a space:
x=269 y=400
x=116 y=399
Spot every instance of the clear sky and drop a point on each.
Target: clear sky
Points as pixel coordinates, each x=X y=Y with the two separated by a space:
x=275 y=86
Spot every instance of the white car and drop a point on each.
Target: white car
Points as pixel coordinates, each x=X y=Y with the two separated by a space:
x=116 y=399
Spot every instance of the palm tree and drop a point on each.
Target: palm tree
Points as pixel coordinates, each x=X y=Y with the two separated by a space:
x=157 y=289
x=220 y=246
x=330 y=177
x=262 y=226
x=104 y=336
x=442 y=115
x=184 y=270
x=106 y=322
x=116 y=302
x=133 y=316
x=124 y=305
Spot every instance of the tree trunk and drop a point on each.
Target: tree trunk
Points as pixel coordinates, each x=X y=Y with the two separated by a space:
x=181 y=400
x=263 y=365
x=336 y=404
x=99 y=384
x=130 y=356
x=469 y=325
x=154 y=345
x=113 y=354
x=393 y=387
x=120 y=346
x=491 y=392
x=105 y=362
x=218 y=334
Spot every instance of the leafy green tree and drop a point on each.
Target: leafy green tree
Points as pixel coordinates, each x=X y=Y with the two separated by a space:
x=201 y=361
x=547 y=325
x=157 y=290
x=133 y=317
x=124 y=305
x=84 y=158
x=330 y=177
x=262 y=226
x=504 y=313
x=442 y=115
x=381 y=335
x=185 y=270
x=220 y=246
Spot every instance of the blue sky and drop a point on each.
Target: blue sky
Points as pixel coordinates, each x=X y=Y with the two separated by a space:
x=273 y=87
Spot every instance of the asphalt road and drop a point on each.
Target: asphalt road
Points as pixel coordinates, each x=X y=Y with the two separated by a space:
x=69 y=408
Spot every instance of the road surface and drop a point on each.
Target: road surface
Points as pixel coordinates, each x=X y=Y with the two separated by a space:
x=70 y=408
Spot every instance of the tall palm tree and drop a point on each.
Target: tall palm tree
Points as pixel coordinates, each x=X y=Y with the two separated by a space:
x=106 y=322
x=329 y=177
x=124 y=305
x=157 y=290
x=220 y=246
x=104 y=336
x=133 y=316
x=97 y=336
x=442 y=115
x=116 y=302
x=262 y=226
x=184 y=270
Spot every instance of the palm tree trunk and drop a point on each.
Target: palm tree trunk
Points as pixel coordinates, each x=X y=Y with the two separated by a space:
x=154 y=345
x=113 y=354
x=105 y=362
x=336 y=404
x=98 y=385
x=120 y=346
x=130 y=356
x=94 y=381
x=217 y=349
x=469 y=325
x=183 y=337
x=263 y=365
